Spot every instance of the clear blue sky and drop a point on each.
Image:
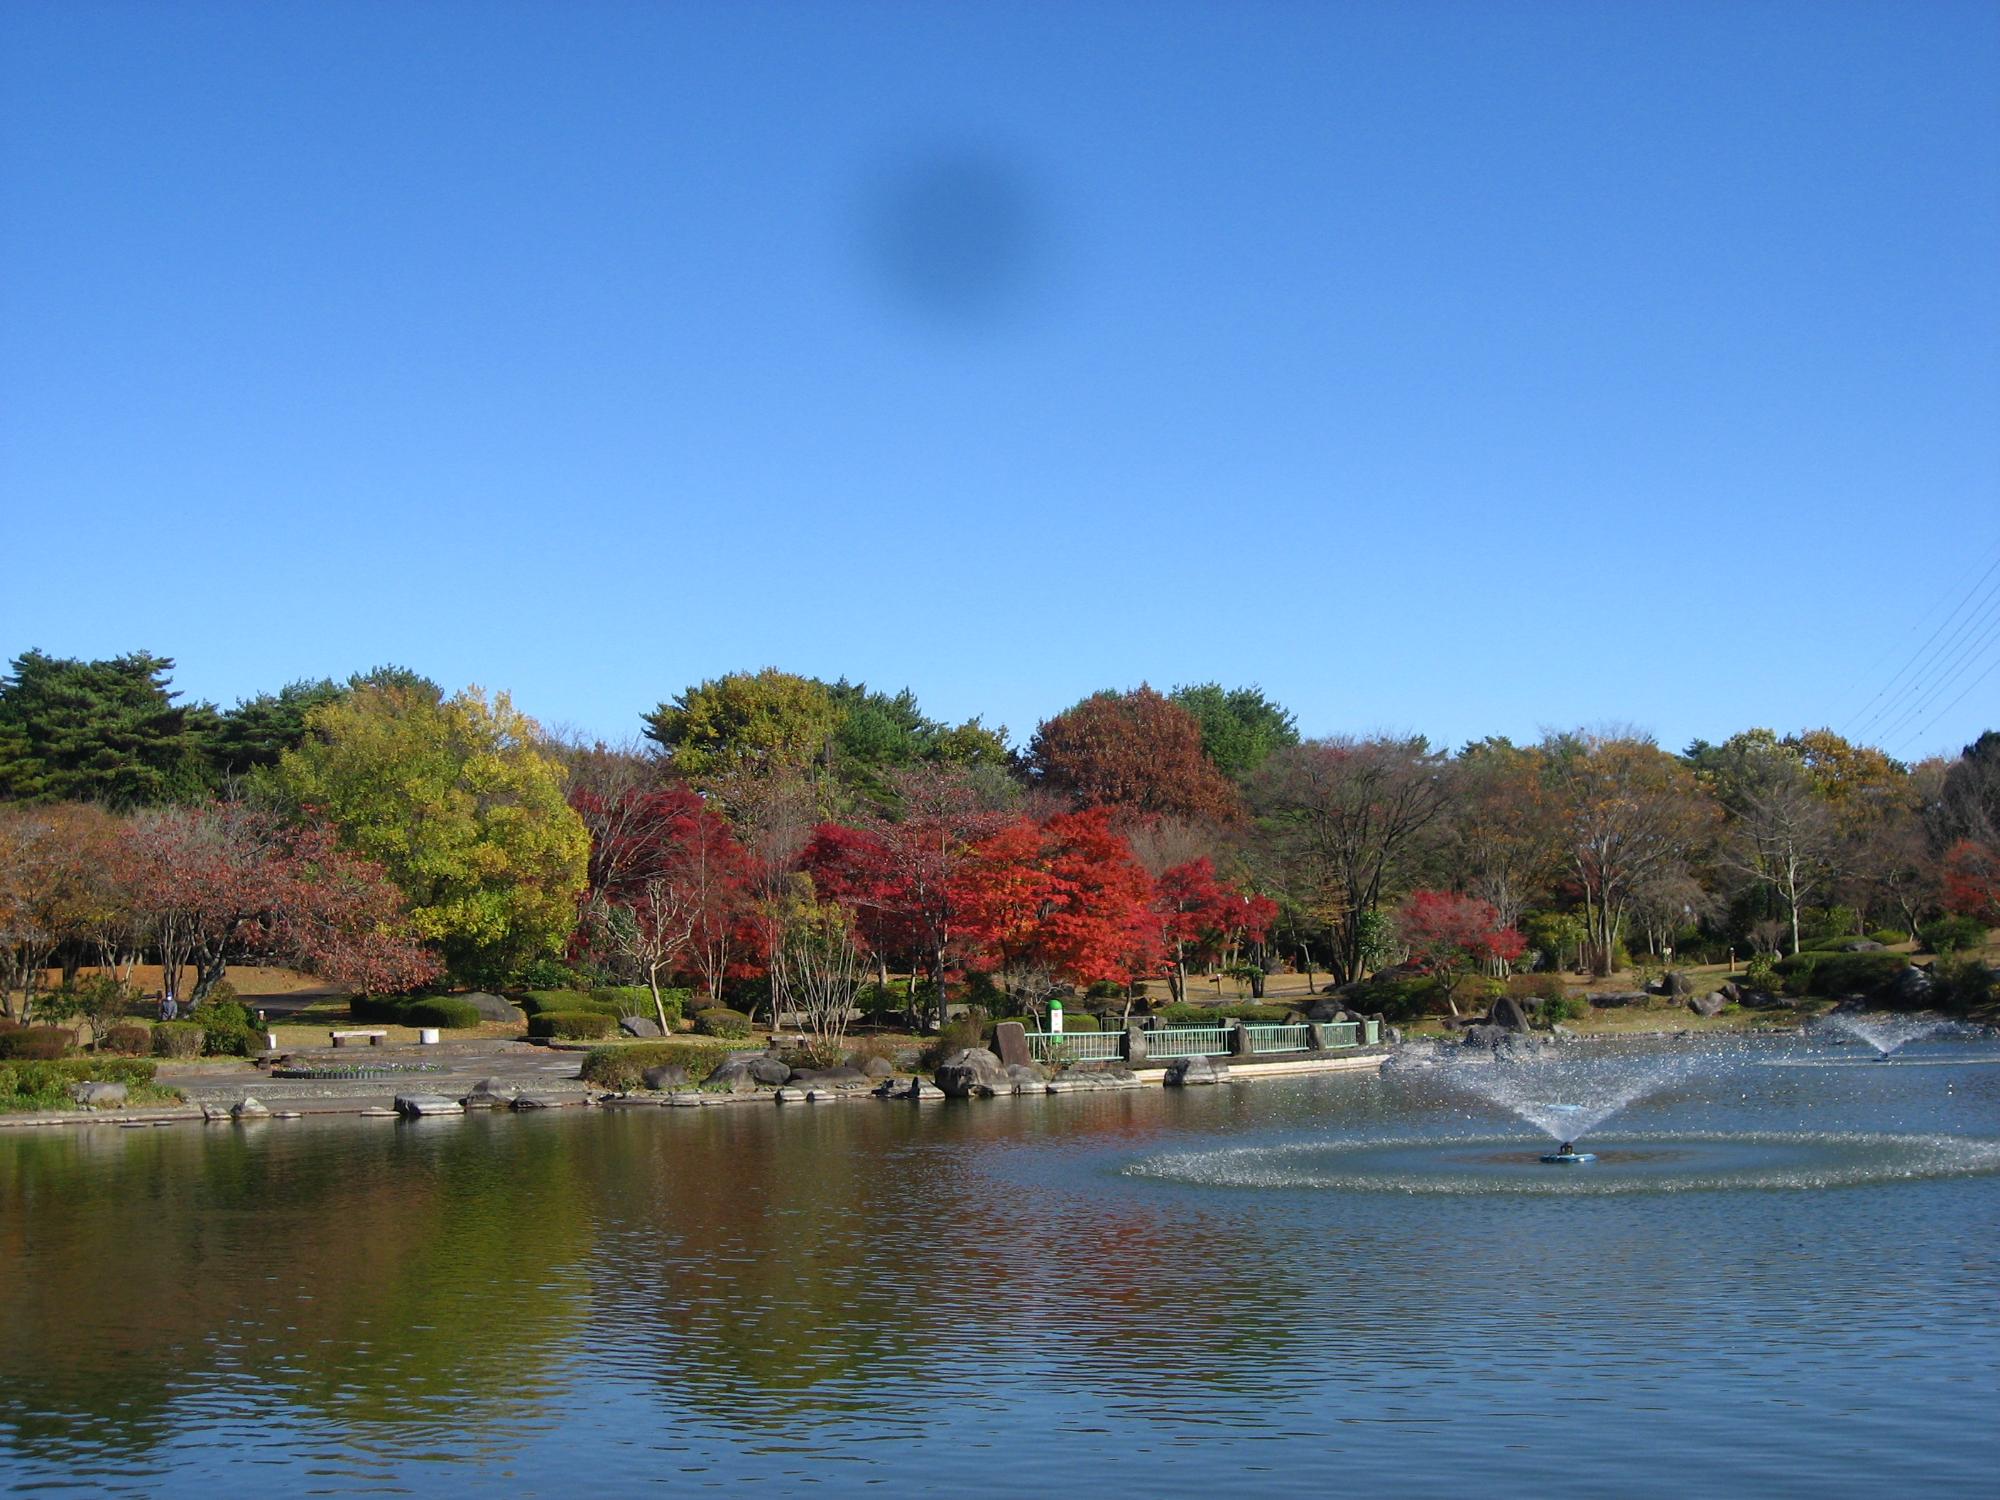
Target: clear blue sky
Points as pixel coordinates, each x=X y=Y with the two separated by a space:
x=1465 y=368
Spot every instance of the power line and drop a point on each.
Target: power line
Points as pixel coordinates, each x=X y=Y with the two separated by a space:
x=1963 y=659
x=1861 y=720
x=1991 y=667
x=1938 y=599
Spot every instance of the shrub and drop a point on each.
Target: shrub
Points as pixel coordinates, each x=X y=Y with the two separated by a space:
x=1888 y=937
x=46 y=1085
x=36 y=1043
x=547 y=974
x=380 y=1010
x=1952 y=934
x=535 y=1002
x=1962 y=985
x=637 y=1000
x=1559 y=1008
x=968 y=1030
x=1836 y=974
x=624 y=1066
x=440 y=1010
x=571 y=1025
x=720 y=1021
x=1761 y=973
x=178 y=1039
x=225 y=1027
x=1547 y=988
x=128 y=1040
x=1105 y=989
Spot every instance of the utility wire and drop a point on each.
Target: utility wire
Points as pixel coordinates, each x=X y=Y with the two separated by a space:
x=1861 y=720
x=1890 y=650
x=1968 y=640
x=1962 y=661
x=1991 y=667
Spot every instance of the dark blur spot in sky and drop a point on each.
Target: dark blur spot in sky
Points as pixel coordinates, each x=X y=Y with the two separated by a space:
x=955 y=236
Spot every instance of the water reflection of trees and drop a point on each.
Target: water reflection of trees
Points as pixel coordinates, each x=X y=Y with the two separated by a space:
x=378 y=1276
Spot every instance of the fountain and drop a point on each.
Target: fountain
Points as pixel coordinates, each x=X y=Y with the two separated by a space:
x=1565 y=1094
x=1887 y=1034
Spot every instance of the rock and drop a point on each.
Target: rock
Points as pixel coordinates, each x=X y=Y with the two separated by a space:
x=1026 y=1073
x=1507 y=1012
x=492 y=1007
x=1676 y=985
x=1613 y=999
x=643 y=1027
x=790 y=1095
x=909 y=1059
x=249 y=1109
x=1192 y=1071
x=741 y=1075
x=526 y=1102
x=214 y=1113
x=1707 y=1005
x=413 y=1105
x=966 y=1068
x=873 y=1067
x=488 y=1093
x=842 y=1077
x=1910 y=989
x=1730 y=992
x=1485 y=1034
x=666 y=1076
x=1010 y=1040
x=98 y=1095
x=1092 y=1080
x=770 y=1071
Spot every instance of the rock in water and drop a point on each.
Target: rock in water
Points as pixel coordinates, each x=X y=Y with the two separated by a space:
x=413 y=1105
x=1192 y=1071
x=250 y=1109
x=962 y=1072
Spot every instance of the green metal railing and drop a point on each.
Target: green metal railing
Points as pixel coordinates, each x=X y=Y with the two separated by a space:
x=1076 y=1046
x=1278 y=1037
x=1188 y=1041
x=1343 y=1033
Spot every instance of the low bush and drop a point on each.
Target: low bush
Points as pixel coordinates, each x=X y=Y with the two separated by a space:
x=536 y=1002
x=968 y=1030
x=46 y=1085
x=637 y=1000
x=571 y=1025
x=624 y=1066
x=1888 y=937
x=128 y=1040
x=378 y=1010
x=1189 y=1014
x=1960 y=986
x=1952 y=934
x=1547 y=988
x=1833 y=975
x=720 y=1021
x=1261 y=1015
x=178 y=1039
x=1555 y=1010
x=225 y=1027
x=440 y=1010
x=36 y=1043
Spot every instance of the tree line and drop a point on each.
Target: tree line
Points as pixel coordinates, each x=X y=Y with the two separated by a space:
x=777 y=840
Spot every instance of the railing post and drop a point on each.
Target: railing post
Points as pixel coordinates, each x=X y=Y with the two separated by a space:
x=1135 y=1046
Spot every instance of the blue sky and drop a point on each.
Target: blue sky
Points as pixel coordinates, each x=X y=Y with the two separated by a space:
x=1464 y=368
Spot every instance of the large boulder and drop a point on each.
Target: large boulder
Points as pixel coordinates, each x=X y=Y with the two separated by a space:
x=413 y=1105
x=492 y=1007
x=1910 y=989
x=98 y=1095
x=1010 y=1040
x=771 y=1071
x=1613 y=999
x=250 y=1109
x=736 y=1075
x=872 y=1066
x=665 y=1076
x=1708 y=1005
x=1190 y=1072
x=1676 y=985
x=1507 y=1012
x=830 y=1078
x=966 y=1069
x=1486 y=1034
x=489 y=1093
x=643 y=1027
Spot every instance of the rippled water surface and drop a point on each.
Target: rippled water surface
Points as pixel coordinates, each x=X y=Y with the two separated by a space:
x=1776 y=1279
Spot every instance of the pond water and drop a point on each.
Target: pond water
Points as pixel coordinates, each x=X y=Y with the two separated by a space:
x=1770 y=1281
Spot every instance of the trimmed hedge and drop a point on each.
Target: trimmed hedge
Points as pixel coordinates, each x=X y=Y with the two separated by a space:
x=38 y=1043
x=1832 y=975
x=127 y=1040
x=720 y=1021
x=225 y=1026
x=178 y=1039
x=1888 y=937
x=441 y=1010
x=624 y=1067
x=1952 y=934
x=572 y=1025
x=637 y=1000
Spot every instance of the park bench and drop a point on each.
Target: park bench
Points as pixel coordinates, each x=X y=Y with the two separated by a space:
x=342 y=1038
